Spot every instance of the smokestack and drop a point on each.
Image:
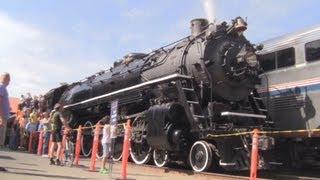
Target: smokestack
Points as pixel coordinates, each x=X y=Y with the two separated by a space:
x=198 y=26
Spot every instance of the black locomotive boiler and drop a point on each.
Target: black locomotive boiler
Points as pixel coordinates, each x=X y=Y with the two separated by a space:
x=179 y=97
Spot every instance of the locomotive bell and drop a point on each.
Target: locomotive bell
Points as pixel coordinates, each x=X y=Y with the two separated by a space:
x=198 y=26
x=240 y=25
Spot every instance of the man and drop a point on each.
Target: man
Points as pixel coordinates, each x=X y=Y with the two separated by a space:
x=35 y=102
x=4 y=106
x=57 y=122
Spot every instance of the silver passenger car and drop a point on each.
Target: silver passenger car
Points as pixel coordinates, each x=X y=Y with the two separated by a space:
x=291 y=79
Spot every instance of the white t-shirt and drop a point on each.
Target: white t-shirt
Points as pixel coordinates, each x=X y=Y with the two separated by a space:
x=106 y=138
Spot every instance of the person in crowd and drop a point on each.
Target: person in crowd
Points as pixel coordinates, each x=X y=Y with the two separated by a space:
x=28 y=100
x=4 y=106
x=22 y=102
x=31 y=128
x=35 y=102
x=105 y=142
x=23 y=123
x=14 y=135
x=40 y=124
x=42 y=106
x=33 y=119
x=57 y=121
x=46 y=127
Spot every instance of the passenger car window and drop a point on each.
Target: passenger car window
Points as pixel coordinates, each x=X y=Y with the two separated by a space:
x=268 y=61
x=285 y=58
x=312 y=50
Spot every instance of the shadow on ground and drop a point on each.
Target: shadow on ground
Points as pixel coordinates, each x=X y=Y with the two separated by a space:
x=7 y=157
x=24 y=169
x=46 y=175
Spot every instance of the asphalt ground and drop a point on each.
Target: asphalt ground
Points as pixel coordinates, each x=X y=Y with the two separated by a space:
x=26 y=166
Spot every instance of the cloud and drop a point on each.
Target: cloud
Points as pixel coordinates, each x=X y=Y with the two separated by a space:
x=39 y=60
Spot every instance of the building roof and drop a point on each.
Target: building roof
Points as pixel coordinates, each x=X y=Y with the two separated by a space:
x=14 y=102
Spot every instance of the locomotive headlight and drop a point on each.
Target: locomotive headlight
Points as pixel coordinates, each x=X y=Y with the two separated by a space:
x=251 y=59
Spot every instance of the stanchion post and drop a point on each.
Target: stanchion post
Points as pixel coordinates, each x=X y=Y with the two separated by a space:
x=77 y=151
x=30 y=142
x=40 y=142
x=125 y=151
x=63 y=143
x=94 y=147
x=254 y=155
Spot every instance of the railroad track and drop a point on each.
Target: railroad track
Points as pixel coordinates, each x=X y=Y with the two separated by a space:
x=297 y=174
x=180 y=171
x=281 y=174
x=305 y=174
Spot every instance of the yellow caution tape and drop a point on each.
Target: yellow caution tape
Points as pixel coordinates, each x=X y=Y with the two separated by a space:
x=289 y=131
x=90 y=127
x=264 y=132
x=232 y=134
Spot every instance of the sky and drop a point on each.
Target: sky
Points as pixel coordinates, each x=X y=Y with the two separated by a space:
x=44 y=43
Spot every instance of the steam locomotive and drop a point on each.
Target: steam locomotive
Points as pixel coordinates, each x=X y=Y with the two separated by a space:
x=184 y=99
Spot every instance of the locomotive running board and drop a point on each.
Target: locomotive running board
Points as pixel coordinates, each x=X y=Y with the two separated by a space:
x=227 y=113
x=162 y=79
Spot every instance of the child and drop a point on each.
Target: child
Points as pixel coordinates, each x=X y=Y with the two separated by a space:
x=106 y=142
x=46 y=124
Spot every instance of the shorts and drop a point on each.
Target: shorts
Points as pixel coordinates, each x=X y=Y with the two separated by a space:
x=56 y=136
x=106 y=149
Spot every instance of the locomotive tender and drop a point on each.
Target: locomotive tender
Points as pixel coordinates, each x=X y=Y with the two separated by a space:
x=179 y=97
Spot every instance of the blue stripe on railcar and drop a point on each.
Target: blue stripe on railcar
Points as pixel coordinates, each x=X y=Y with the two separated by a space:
x=298 y=89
